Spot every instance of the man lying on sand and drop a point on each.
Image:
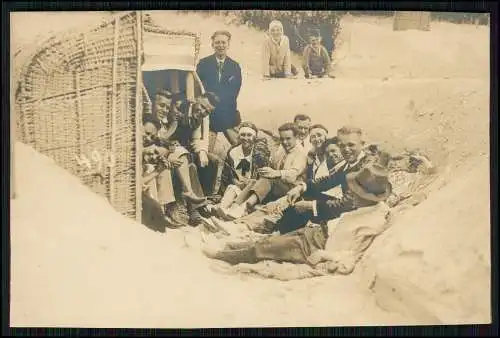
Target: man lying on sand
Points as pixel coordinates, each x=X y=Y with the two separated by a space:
x=367 y=189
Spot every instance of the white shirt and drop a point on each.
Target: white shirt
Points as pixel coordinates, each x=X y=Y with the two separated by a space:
x=306 y=144
x=220 y=64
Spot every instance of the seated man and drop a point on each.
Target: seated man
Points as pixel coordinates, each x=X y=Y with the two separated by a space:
x=364 y=189
x=287 y=170
x=183 y=130
x=303 y=123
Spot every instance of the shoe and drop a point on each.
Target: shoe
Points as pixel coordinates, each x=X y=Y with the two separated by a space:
x=191 y=197
x=205 y=211
x=174 y=216
x=195 y=218
x=171 y=223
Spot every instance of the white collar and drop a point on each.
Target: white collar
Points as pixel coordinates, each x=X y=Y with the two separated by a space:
x=238 y=155
x=220 y=60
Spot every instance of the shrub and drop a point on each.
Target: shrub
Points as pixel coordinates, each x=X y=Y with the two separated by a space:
x=296 y=24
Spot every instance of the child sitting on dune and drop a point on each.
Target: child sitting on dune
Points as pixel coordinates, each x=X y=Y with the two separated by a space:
x=316 y=61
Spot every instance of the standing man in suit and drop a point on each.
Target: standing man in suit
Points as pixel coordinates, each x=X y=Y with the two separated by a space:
x=222 y=75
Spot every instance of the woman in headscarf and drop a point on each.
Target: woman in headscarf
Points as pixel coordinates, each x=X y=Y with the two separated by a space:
x=242 y=162
x=276 y=55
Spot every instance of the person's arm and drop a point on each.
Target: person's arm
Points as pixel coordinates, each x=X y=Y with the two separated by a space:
x=200 y=136
x=305 y=61
x=333 y=207
x=200 y=67
x=228 y=175
x=266 y=55
x=298 y=167
x=288 y=57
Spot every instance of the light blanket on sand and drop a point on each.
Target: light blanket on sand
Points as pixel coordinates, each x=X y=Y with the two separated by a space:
x=349 y=237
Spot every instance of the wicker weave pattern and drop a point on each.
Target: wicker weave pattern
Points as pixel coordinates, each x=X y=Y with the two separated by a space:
x=76 y=104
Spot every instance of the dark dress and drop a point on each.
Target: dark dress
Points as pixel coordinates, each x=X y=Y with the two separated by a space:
x=226 y=114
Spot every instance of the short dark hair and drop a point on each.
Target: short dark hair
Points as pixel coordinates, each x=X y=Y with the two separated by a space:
x=350 y=130
x=332 y=140
x=288 y=126
x=150 y=118
x=301 y=117
x=318 y=126
x=221 y=32
x=165 y=93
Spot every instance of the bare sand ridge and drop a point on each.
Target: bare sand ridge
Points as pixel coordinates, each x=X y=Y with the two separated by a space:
x=75 y=262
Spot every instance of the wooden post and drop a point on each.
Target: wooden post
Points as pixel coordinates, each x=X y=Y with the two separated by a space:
x=138 y=122
x=113 y=112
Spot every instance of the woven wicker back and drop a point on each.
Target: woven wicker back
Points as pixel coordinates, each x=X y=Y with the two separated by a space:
x=76 y=103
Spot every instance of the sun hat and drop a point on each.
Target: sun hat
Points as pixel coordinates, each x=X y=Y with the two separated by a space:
x=370 y=183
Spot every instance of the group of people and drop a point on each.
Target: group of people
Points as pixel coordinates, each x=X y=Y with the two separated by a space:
x=294 y=191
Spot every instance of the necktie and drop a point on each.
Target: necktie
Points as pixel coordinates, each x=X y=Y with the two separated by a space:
x=244 y=165
x=219 y=69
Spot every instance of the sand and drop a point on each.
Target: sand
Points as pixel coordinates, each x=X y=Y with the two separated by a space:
x=75 y=262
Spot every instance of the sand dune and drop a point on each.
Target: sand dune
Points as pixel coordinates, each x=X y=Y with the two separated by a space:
x=75 y=262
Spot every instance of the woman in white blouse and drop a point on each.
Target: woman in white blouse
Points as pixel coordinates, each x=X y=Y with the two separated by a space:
x=242 y=162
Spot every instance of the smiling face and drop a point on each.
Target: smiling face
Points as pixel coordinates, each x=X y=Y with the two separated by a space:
x=317 y=138
x=288 y=139
x=246 y=138
x=202 y=108
x=220 y=44
x=350 y=145
x=315 y=41
x=149 y=133
x=162 y=106
x=333 y=153
x=276 y=32
x=303 y=128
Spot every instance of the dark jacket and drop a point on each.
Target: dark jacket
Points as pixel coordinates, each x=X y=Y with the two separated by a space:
x=332 y=207
x=226 y=114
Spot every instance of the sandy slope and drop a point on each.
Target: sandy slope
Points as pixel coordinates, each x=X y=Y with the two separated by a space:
x=75 y=262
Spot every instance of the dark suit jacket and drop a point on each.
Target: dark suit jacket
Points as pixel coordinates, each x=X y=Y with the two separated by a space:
x=331 y=208
x=227 y=89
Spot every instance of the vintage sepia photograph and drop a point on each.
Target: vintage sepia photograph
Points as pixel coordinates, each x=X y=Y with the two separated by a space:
x=249 y=168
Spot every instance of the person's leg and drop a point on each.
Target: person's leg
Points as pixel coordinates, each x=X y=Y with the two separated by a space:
x=212 y=139
x=289 y=248
x=165 y=187
x=232 y=136
x=260 y=191
x=292 y=220
x=245 y=193
x=294 y=70
x=229 y=196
